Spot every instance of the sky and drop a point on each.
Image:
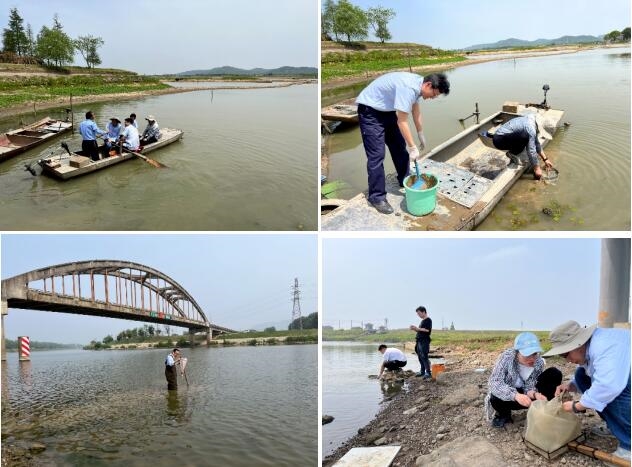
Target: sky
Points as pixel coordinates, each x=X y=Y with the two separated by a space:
x=162 y=36
x=454 y=24
x=479 y=284
x=240 y=281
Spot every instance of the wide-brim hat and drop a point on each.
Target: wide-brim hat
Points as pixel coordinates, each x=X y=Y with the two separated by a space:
x=540 y=122
x=115 y=118
x=151 y=118
x=569 y=336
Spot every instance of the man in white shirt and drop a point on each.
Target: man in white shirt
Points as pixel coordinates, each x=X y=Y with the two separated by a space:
x=394 y=359
x=129 y=136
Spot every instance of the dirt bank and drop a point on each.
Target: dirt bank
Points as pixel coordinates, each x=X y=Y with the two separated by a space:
x=451 y=408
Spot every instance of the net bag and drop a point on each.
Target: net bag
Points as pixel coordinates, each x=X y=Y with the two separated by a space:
x=549 y=426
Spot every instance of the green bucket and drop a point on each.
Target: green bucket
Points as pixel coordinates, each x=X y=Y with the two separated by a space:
x=421 y=202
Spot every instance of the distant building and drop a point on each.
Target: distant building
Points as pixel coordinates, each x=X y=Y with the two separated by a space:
x=368 y=328
x=382 y=329
x=328 y=328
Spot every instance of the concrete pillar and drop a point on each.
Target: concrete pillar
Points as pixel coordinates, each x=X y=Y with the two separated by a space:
x=191 y=338
x=3 y=311
x=24 y=348
x=614 y=294
x=209 y=336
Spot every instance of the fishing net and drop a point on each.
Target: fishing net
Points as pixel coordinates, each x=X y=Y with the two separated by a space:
x=550 y=176
x=549 y=426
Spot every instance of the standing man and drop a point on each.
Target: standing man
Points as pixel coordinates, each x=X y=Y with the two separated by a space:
x=422 y=344
x=602 y=375
x=171 y=361
x=89 y=132
x=394 y=359
x=383 y=110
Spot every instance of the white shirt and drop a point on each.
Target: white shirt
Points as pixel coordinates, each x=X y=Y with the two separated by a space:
x=524 y=371
x=132 y=140
x=393 y=354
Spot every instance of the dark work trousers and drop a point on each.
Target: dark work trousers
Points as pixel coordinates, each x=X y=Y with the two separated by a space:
x=422 y=349
x=616 y=414
x=148 y=140
x=550 y=379
x=172 y=377
x=394 y=365
x=513 y=142
x=90 y=149
x=379 y=129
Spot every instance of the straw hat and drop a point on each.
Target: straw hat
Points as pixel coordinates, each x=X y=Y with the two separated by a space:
x=151 y=118
x=539 y=121
x=569 y=336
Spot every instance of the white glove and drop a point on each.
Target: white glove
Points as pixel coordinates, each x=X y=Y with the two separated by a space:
x=413 y=153
x=422 y=140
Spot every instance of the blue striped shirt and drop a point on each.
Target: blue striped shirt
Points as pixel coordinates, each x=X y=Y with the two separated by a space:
x=525 y=127
x=393 y=91
x=89 y=130
x=608 y=365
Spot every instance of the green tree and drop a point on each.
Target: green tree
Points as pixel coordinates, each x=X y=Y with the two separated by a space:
x=270 y=329
x=350 y=21
x=626 y=34
x=30 y=41
x=378 y=19
x=308 y=322
x=612 y=36
x=108 y=339
x=87 y=47
x=54 y=45
x=14 y=37
x=151 y=330
x=327 y=19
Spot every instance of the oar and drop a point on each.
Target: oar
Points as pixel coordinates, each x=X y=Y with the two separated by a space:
x=156 y=164
x=419 y=182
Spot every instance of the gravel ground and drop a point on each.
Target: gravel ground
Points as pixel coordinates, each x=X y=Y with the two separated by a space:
x=430 y=414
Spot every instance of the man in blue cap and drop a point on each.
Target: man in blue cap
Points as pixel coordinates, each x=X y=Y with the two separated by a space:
x=519 y=378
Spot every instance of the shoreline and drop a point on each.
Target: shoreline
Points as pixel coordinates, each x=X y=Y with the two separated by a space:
x=431 y=418
x=23 y=109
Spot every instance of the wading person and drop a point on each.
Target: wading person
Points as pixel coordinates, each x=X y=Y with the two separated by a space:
x=422 y=342
x=394 y=359
x=129 y=137
x=520 y=133
x=152 y=131
x=602 y=375
x=171 y=374
x=518 y=378
x=383 y=110
x=89 y=132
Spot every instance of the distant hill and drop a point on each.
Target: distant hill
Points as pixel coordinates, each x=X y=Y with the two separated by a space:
x=230 y=70
x=513 y=42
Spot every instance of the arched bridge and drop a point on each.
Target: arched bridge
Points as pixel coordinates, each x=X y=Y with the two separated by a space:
x=113 y=289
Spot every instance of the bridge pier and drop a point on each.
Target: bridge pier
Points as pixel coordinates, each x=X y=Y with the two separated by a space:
x=209 y=337
x=191 y=338
x=3 y=311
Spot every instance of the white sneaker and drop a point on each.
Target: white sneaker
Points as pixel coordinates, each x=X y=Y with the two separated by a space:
x=622 y=453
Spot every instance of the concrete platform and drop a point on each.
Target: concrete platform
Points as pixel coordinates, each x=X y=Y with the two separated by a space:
x=379 y=456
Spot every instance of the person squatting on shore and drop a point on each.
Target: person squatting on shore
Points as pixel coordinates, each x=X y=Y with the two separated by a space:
x=518 y=378
x=394 y=359
x=602 y=376
x=422 y=342
x=171 y=361
x=383 y=109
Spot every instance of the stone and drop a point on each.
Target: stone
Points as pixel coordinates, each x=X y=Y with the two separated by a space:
x=461 y=396
x=37 y=447
x=327 y=419
x=410 y=411
x=463 y=452
x=440 y=436
x=381 y=441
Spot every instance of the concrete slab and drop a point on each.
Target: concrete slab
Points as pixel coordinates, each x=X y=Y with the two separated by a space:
x=380 y=456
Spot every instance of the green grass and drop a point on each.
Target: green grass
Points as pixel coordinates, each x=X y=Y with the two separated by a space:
x=470 y=340
x=16 y=91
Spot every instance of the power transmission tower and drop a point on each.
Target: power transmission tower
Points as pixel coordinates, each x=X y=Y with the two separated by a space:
x=296 y=304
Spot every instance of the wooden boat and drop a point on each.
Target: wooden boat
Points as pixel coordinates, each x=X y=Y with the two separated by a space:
x=473 y=177
x=17 y=141
x=65 y=166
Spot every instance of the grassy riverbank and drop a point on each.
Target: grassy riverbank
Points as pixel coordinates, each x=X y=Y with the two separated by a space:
x=471 y=340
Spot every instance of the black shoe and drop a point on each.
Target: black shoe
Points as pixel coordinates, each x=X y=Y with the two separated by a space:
x=498 y=421
x=383 y=207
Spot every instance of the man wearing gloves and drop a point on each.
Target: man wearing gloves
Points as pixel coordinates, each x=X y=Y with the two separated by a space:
x=602 y=375
x=383 y=109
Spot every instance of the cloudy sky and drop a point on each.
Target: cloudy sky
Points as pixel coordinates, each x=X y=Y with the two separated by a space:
x=451 y=24
x=162 y=36
x=240 y=281
x=479 y=284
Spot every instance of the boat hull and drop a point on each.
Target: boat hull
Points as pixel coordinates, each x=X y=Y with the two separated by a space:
x=18 y=141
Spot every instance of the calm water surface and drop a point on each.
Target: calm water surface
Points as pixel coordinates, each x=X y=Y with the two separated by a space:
x=592 y=154
x=348 y=394
x=248 y=161
x=245 y=406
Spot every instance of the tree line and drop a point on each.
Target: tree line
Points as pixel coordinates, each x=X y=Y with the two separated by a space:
x=305 y=322
x=51 y=47
x=618 y=36
x=344 y=19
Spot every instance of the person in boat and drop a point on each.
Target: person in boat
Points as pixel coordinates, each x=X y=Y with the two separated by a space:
x=520 y=133
x=422 y=342
x=129 y=137
x=383 y=110
x=394 y=359
x=152 y=131
x=602 y=375
x=89 y=132
x=172 y=360
x=134 y=122
x=114 y=128
x=518 y=378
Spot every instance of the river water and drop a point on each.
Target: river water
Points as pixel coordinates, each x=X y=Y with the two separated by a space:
x=592 y=154
x=248 y=161
x=348 y=394
x=244 y=406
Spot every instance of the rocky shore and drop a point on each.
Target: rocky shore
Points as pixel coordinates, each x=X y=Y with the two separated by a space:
x=442 y=423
